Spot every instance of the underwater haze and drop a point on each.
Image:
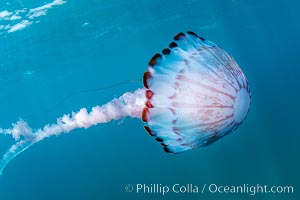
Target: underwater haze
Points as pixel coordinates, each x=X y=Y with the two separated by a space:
x=51 y=50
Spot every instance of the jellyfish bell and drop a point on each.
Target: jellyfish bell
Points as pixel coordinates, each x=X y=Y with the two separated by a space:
x=196 y=94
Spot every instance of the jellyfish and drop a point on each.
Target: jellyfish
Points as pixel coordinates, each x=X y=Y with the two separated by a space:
x=194 y=94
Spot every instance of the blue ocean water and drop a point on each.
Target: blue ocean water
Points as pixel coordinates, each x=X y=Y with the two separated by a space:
x=50 y=49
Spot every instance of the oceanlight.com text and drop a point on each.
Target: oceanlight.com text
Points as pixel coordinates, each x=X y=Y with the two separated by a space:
x=164 y=189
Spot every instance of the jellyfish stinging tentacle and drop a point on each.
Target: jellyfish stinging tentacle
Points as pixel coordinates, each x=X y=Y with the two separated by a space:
x=129 y=104
x=194 y=94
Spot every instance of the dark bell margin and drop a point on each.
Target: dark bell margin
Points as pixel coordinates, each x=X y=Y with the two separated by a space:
x=166 y=51
x=153 y=60
x=173 y=45
x=145 y=114
x=148 y=130
x=179 y=36
x=146 y=76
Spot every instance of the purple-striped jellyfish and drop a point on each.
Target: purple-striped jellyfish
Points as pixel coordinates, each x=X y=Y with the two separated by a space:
x=194 y=94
